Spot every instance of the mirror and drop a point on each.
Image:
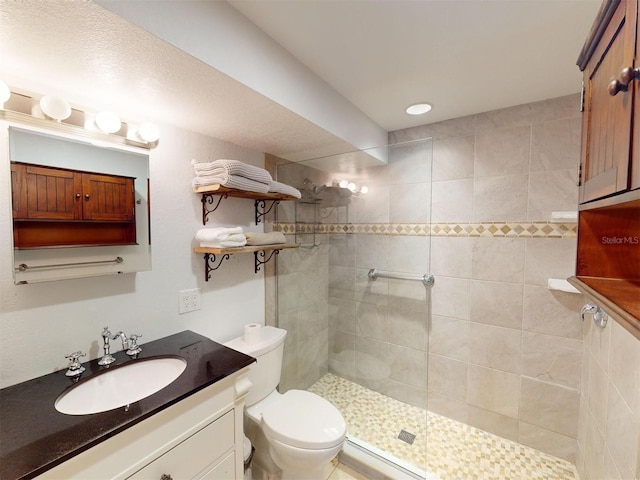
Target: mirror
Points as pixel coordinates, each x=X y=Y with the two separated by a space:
x=49 y=246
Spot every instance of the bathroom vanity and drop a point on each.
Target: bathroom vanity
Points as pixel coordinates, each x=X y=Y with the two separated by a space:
x=192 y=428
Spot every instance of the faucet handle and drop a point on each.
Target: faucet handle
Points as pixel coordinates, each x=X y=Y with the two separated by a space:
x=133 y=349
x=75 y=368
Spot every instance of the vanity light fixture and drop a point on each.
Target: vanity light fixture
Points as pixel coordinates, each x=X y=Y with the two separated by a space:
x=418 y=108
x=148 y=132
x=5 y=93
x=55 y=107
x=108 y=122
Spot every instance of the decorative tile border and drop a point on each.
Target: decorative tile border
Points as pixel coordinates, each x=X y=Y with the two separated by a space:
x=484 y=229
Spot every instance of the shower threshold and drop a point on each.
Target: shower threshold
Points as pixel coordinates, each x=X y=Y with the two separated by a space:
x=364 y=458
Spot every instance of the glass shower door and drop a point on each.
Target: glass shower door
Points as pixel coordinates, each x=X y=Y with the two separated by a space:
x=357 y=339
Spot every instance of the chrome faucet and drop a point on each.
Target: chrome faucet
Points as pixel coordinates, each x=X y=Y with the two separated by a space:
x=128 y=344
x=107 y=359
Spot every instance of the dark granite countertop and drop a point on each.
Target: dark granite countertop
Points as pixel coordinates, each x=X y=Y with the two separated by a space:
x=35 y=437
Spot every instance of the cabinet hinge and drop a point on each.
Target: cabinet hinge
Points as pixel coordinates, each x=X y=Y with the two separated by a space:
x=580 y=174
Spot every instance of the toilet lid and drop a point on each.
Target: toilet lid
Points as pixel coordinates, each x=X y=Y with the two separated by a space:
x=305 y=420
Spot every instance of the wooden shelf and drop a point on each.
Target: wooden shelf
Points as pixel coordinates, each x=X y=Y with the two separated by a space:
x=232 y=192
x=260 y=199
x=247 y=249
x=618 y=297
x=211 y=262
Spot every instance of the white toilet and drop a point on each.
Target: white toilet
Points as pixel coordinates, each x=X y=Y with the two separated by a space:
x=297 y=432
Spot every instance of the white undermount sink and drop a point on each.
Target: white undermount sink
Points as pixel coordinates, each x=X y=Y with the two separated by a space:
x=120 y=385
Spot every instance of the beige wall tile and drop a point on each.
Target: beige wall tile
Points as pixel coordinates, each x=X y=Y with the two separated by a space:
x=555 y=145
x=594 y=452
x=449 y=337
x=451 y=256
x=406 y=393
x=502 y=152
x=552 y=359
x=411 y=203
x=410 y=163
x=501 y=425
x=452 y=201
x=551 y=192
x=408 y=326
x=450 y=297
x=551 y=312
x=372 y=363
x=554 y=443
x=453 y=158
x=495 y=347
x=597 y=394
x=517 y=116
x=500 y=198
x=624 y=365
x=447 y=377
x=550 y=406
x=372 y=208
x=498 y=259
x=408 y=366
x=342 y=250
x=375 y=292
x=493 y=390
x=556 y=108
x=447 y=407
x=547 y=258
x=372 y=252
x=407 y=255
x=371 y=321
x=456 y=127
x=621 y=433
x=496 y=303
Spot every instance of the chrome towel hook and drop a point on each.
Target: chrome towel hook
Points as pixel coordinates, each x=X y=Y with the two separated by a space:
x=600 y=317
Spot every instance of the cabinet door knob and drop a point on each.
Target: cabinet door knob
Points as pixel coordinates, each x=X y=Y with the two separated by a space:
x=86 y=196
x=621 y=84
x=78 y=195
x=166 y=477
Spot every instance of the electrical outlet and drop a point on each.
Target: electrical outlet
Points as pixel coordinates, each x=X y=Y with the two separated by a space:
x=189 y=300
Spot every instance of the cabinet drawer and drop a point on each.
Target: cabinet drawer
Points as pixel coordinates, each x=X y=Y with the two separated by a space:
x=224 y=470
x=195 y=454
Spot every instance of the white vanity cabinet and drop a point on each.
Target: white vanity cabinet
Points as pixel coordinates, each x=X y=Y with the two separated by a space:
x=200 y=437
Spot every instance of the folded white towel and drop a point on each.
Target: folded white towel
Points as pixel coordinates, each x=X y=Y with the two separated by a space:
x=218 y=233
x=271 y=238
x=232 y=167
x=223 y=244
x=232 y=181
x=278 y=187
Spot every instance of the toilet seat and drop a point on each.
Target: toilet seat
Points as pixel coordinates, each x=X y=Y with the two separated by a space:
x=304 y=420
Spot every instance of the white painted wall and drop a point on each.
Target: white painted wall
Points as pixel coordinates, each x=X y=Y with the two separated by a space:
x=41 y=323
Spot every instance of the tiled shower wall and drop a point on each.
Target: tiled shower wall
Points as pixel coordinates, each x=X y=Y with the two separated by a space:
x=504 y=353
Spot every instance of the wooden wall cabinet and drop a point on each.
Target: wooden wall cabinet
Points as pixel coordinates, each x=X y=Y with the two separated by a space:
x=608 y=256
x=61 y=207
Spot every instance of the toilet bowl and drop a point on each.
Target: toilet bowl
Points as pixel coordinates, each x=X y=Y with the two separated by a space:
x=295 y=433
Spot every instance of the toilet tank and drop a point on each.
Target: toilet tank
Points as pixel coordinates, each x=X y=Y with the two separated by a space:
x=265 y=373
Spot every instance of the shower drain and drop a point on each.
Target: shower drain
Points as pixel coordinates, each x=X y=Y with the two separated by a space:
x=406 y=437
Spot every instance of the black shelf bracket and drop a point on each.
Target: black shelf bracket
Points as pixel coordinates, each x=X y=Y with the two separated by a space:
x=210 y=263
x=207 y=201
x=260 y=255
x=262 y=210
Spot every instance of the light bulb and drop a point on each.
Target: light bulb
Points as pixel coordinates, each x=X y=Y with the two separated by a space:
x=352 y=186
x=108 y=122
x=364 y=189
x=5 y=93
x=343 y=184
x=148 y=132
x=418 y=108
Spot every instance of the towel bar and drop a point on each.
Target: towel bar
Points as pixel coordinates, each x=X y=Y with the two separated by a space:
x=427 y=280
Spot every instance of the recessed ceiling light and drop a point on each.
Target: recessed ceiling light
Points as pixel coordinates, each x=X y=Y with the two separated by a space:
x=418 y=108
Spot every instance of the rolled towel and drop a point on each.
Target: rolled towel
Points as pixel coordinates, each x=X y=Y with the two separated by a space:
x=271 y=238
x=278 y=187
x=217 y=233
x=232 y=181
x=233 y=167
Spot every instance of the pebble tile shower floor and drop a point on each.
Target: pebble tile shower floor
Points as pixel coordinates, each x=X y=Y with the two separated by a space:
x=455 y=451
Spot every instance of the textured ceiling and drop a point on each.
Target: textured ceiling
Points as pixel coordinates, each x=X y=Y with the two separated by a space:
x=463 y=56
x=96 y=59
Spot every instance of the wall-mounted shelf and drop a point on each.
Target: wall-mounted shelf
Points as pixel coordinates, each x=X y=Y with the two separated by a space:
x=215 y=256
x=210 y=191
